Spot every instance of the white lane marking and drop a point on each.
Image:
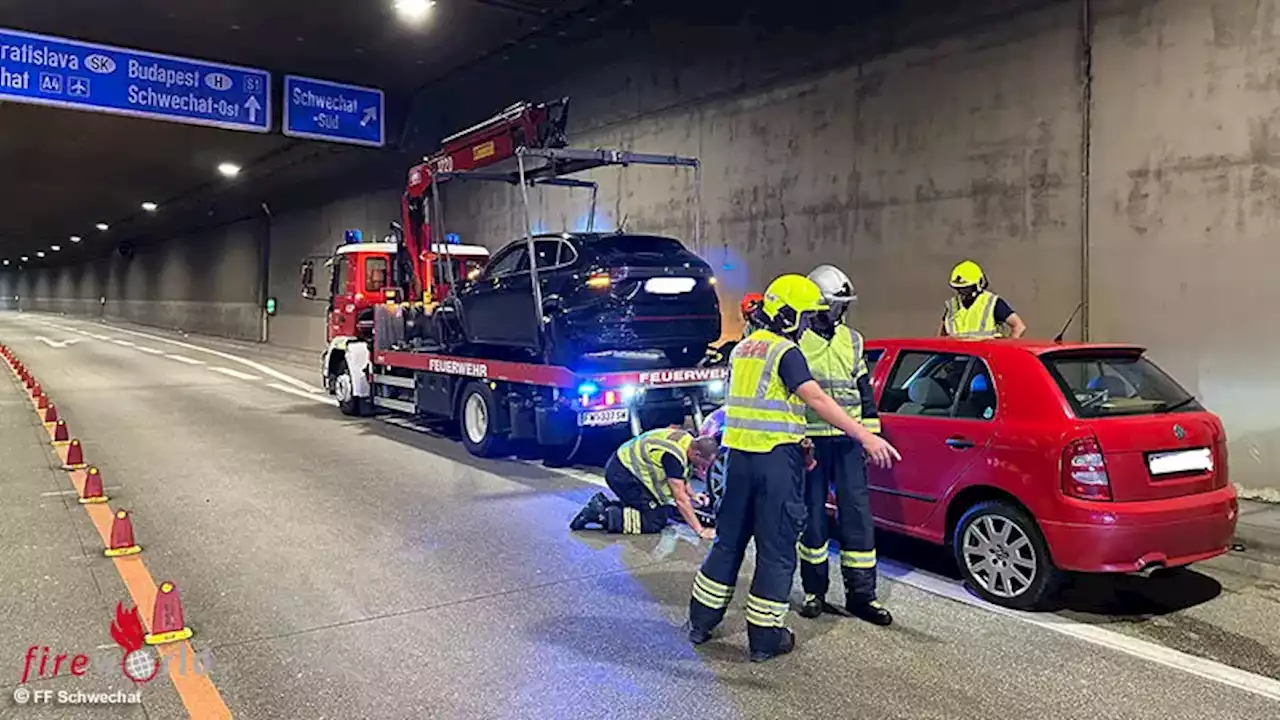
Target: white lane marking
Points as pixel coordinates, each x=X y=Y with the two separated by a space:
x=124 y=343
x=1208 y=669
x=295 y=391
x=56 y=343
x=150 y=351
x=98 y=337
x=225 y=356
x=186 y=360
x=60 y=493
x=234 y=373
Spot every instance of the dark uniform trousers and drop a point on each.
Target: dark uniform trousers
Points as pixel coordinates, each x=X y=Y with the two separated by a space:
x=842 y=463
x=637 y=512
x=764 y=499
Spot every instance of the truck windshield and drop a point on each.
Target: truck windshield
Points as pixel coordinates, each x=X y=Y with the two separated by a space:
x=1107 y=383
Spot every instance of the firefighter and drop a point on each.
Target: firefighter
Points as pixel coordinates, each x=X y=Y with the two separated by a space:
x=769 y=387
x=834 y=352
x=975 y=311
x=750 y=307
x=650 y=475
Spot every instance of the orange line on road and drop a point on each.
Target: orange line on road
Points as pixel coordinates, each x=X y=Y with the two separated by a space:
x=197 y=691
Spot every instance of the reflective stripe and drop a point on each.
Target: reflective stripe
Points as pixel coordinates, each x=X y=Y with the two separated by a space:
x=711 y=593
x=762 y=404
x=814 y=556
x=630 y=521
x=765 y=613
x=871 y=424
x=860 y=559
x=765 y=425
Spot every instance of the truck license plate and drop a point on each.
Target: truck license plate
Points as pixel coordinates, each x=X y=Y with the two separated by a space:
x=600 y=418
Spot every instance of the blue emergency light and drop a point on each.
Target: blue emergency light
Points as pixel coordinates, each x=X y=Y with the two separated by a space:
x=353 y=236
x=452 y=239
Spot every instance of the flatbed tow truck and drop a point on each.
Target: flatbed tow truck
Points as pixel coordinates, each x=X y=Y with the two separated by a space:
x=402 y=362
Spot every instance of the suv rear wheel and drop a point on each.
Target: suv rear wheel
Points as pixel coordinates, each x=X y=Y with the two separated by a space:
x=1003 y=555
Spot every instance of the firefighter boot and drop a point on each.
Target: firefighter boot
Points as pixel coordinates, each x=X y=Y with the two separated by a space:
x=812 y=606
x=860 y=594
x=592 y=512
x=784 y=643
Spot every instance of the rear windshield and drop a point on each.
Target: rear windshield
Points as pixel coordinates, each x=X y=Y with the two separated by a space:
x=1108 y=384
x=613 y=248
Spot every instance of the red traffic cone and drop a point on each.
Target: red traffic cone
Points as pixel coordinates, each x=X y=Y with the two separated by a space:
x=50 y=416
x=122 y=542
x=92 y=492
x=27 y=380
x=42 y=402
x=166 y=622
x=60 y=435
x=75 y=456
x=36 y=390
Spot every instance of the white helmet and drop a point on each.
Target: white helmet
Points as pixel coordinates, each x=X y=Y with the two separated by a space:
x=837 y=289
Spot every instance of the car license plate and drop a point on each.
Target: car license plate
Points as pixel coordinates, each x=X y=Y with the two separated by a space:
x=1180 y=461
x=600 y=418
x=669 y=285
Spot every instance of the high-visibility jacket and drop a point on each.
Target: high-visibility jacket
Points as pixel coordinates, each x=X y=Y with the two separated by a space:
x=976 y=321
x=642 y=455
x=838 y=366
x=760 y=413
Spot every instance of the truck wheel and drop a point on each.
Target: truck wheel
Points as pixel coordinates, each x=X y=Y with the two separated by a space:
x=715 y=479
x=1003 y=556
x=348 y=403
x=476 y=410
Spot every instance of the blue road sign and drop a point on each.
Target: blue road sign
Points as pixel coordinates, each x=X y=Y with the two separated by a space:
x=45 y=70
x=324 y=110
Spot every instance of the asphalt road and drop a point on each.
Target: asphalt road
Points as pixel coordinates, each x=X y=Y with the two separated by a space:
x=335 y=567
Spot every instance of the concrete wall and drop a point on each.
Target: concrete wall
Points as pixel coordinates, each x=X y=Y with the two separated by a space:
x=897 y=147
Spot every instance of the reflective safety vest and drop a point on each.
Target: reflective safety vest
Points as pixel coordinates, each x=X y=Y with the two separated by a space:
x=642 y=457
x=836 y=365
x=759 y=412
x=976 y=321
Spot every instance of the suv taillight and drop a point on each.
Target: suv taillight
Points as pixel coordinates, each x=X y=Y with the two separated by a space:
x=1084 y=471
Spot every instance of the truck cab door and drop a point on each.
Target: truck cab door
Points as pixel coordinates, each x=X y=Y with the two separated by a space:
x=342 y=294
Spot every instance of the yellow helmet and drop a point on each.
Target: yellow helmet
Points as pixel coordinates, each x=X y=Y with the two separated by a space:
x=790 y=296
x=967 y=274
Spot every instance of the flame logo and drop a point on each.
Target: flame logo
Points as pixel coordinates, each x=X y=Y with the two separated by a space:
x=127 y=629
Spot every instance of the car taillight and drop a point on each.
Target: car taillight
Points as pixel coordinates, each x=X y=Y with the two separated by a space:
x=1221 y=476
x=1084 y=471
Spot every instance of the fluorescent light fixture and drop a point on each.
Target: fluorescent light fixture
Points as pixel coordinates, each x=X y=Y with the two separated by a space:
x=150 y=206
x=55 y=248
x=39 y=253
x=24 y=258
x=75 y=238
x=413 y=11
x=103 y=227
x=229 y=169
x=6 y=261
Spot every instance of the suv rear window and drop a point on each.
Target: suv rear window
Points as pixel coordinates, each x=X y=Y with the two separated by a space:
x=617 y=247
x=1105 y=384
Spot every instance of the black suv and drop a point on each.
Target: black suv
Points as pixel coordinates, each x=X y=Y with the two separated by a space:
x=600 y=292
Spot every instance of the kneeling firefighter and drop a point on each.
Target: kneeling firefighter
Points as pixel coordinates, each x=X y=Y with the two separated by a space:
x=650 y=474
x=834 y=352
x=770 y=386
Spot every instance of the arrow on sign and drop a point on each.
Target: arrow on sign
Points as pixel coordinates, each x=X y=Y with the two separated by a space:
x=55 y=343
x=370 y=115
x=254 y=106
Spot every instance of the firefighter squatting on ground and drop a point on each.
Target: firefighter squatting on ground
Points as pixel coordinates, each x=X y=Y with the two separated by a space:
x=800 y=422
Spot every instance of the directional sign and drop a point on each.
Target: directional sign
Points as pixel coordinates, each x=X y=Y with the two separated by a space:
x=45 y=70
x=323 y=110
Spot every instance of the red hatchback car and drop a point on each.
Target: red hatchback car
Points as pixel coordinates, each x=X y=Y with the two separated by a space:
x=1029 y=458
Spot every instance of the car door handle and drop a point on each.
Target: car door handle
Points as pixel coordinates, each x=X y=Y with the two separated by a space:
x=959 y=443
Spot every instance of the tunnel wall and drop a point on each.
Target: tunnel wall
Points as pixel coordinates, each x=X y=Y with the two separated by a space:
x=896 y=162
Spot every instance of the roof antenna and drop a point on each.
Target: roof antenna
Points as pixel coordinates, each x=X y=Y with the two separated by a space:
x=1063 y=331
x=622 y=225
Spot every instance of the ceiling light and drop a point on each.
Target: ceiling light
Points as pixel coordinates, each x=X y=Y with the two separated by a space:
x=39 y=253
x=6 y=261
x=229 y=169
x=55 y=248
x=24 y=258
x=150 y=206
x=75 y=238
x=413 y=11
x=103 y=227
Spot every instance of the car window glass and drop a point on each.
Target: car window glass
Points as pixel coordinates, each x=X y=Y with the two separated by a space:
x=375 y=274
x=550 y=252
x=977 y=394
x=507 y=262
x=924 y=383
x=1116 y=383
x=342 y=274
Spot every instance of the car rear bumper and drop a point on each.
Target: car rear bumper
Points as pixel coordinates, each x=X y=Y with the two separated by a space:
x=1129 y=537
x=622 y=332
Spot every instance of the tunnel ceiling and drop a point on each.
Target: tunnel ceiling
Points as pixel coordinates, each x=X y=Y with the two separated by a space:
x=68 y=170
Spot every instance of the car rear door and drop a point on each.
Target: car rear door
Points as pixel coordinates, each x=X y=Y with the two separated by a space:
x=489 y=305
x=939 y=433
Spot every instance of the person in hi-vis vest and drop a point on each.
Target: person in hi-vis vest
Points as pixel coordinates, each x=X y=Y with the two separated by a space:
x=770 y=388
x=650 y=475
x=833 y=350
x=974 y=311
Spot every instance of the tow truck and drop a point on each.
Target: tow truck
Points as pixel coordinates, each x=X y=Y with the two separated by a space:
x=393 y=350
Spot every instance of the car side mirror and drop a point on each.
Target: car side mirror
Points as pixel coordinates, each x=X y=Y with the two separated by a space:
x=308 y=279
